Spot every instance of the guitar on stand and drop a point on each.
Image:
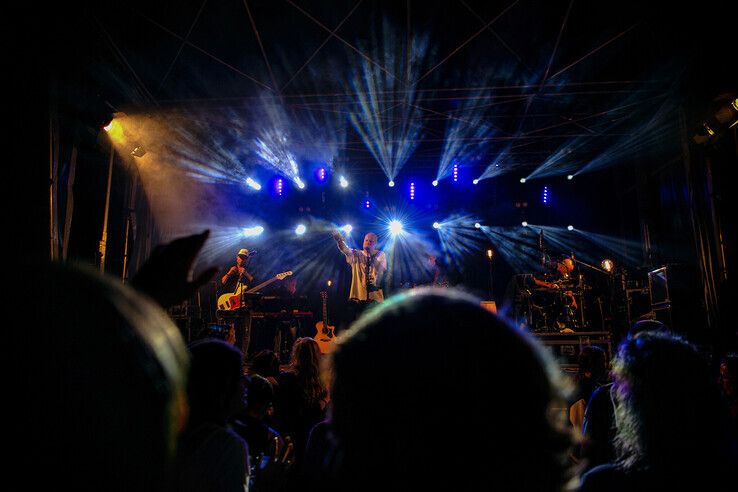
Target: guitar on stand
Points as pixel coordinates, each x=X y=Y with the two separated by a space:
x=326 y=334
x=234 y=300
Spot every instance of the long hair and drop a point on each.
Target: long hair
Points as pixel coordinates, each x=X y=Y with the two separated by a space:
x=305 y=364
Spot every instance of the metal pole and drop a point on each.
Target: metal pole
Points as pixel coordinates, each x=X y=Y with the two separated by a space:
x=104 y=239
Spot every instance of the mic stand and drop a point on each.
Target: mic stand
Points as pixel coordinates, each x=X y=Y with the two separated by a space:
x=597 y=269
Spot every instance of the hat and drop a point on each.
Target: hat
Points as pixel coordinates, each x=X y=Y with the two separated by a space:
x=243 y=252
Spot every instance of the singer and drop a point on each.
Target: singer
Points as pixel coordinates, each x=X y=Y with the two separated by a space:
x=367 y=269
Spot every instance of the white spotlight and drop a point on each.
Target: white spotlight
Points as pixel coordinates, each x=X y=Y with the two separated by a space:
x=343 y=182
x=436 y=225
x=570 y=177
x=253 y=184
x=391 y=184
x=299 y=183
x=252 y=231
x=395 y=227
x=435 y=182
x=347 y=228
x=300 y=229
x=477 y=225
x=476 y=181
x=522 y=180
x=524 y=224
x=571 y=227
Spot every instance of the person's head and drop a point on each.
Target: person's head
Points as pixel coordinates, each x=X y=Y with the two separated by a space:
x=565 y=266
x=305 y=355
x=260 y=395
x=592 y=363
x=215 y=387
x=427 y=378
x=647 y=324
x=242 y=256
x=370 y=242
x=106 y=370
x=667 y=404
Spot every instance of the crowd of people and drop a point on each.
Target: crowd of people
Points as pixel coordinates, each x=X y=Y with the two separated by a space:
x=427 y=391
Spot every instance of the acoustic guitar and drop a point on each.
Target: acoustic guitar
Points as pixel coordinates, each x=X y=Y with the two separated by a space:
x=325 y=335
x=232 y=300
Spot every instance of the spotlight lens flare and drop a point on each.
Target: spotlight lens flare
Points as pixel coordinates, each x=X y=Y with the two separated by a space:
x=253 y=184
x=436 y=225
x=395 y=227
x=347 y=228
x=607 y=265
x=343 y=182
x=300 y=229
x=252 y=231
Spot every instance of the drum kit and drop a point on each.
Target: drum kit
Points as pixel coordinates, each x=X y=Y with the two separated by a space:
x=552 y=302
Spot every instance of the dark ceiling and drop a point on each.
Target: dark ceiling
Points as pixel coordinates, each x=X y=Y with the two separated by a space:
x=517 y=79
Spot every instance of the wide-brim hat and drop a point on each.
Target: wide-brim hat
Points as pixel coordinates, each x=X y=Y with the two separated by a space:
x=243 y=252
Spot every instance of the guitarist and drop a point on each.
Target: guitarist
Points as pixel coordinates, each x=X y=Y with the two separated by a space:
x=240 y=331
x=239 y=270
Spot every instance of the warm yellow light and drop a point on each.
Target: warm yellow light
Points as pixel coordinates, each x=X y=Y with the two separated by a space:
x=607 y=265
x=115 y=130
x=735 y=104
x=330 y=282
x=490 y=253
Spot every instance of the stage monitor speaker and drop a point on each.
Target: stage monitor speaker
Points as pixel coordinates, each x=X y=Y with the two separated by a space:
x=676 y=299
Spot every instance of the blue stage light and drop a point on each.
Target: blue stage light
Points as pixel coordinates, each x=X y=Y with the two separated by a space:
x=321 y=174
x=412 y=191
x=367 y=204
x=343 y=182
x=544 y=197
x=456 y=172
x=278 y=186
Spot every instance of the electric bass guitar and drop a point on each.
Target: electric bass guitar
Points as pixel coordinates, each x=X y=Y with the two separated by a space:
x=326 y=333
x=232 y=300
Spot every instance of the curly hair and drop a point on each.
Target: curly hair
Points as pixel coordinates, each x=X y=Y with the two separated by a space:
x=666 y=403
